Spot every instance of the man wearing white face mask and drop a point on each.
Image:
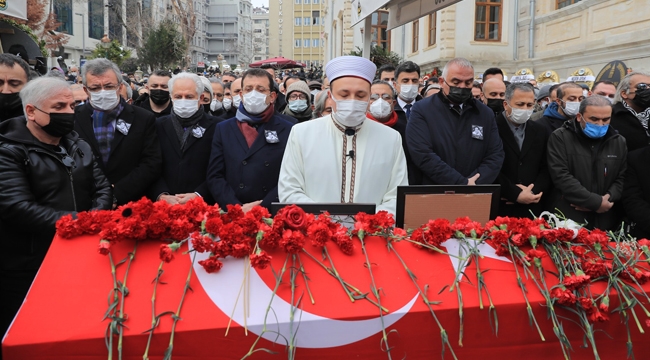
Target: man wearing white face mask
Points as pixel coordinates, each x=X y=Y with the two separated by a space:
x=185 y=142
x=565 y=107
x=123 y=137
x=341 y=157
x=407 y=82
x=524 y=175
x=247 y=149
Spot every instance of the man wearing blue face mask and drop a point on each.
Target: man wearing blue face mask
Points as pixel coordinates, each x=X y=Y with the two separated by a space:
x=587 y=160
x=298 y=102
x=123 y=137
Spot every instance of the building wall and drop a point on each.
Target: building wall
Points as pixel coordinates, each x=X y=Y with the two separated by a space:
x=340 y=37
x=308 y=30
x=229 y=31
x=261 y=41
x=281 y=28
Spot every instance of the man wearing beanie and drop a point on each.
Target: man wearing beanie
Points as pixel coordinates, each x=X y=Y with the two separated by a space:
x=298 y=102
x=342 y=157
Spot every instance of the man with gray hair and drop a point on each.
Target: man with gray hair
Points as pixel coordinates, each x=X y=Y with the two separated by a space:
x=524 y=175
x=322 y=104
x=452 y=137
x=123 y=137
x=46 y=171
x=632 y=110
x=587 y=159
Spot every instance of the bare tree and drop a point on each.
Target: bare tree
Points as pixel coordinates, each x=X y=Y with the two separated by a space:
x=44 y=23
x=184 y=9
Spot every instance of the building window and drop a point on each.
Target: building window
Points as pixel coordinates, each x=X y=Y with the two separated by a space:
x=306 y=43
x=565 y=3
x=315 y=42
x=488 y=20
x=63 y=11
x=432 y=30
x=298 y=21
x=380 y=35
x=297 y=1
x=315 y=17
x=316 y=2
x=297 y=42
x=307 y=21
x=96 y=19
x=305 y=2
x=415 y=40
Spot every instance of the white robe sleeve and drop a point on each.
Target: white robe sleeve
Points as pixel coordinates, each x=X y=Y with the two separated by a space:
x=399 y=177
x=291 y=184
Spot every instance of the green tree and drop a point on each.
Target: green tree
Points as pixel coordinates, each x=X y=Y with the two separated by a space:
x=115 y=53
x=380 y=56
x=163 y=46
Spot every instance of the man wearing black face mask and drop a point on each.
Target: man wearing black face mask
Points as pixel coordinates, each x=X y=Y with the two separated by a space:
x=494 y=92
x=46 y=171
x=157 y=100
x=452 y=137
x=14 y=74
x=631 y=110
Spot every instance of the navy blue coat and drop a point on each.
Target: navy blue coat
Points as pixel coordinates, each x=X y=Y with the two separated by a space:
x=184 y=171
x=449 y=147
x=239 y=175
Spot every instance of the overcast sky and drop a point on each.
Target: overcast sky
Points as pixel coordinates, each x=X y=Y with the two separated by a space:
x=260 y=3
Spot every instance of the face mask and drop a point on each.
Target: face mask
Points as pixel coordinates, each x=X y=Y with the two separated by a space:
x=10 y=101
x=520 y=116
x=159 y=97
x=61 y=124
x=206 y=108
x=611 y=100
x=104 y=99
x=571 y=108
x=255 y=102
x=73 y=74
x=408 y=92
x=298 y=106
x=236 y=100
x=595 y=131
x=350 y=113
x=215 y=105
x=380 y=109
x=543 y=105
x=585 y=93
x=459 y=95
x=495 y=104
x=227 y=103
x=642 y=98
x=185 y=108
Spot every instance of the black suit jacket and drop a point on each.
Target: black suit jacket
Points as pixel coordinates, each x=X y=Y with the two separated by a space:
x=135 y=160
x=636 y=192
x=526 y=166
x=629 y=127
x=238 y=174
x=184 y=171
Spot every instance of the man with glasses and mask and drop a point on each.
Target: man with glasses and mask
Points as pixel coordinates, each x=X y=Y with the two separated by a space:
x=46 y=171
x=123 y=137
x=157 y=100
x=247 y=150
x=631 y=110
x=298 y=102
x=524 y=176
x=565 y=107
x=452 y=137
x=344 y=157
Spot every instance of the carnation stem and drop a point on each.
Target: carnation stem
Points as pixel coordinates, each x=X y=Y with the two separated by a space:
x=306 y=279
x=332 y=271
x=176 y=316
x=531 y=316
x=154 y=320
x=425 y=299
x=111 y=306
x=124 y=290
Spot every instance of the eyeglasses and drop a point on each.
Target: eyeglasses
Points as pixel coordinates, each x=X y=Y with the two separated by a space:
x=295 y=96
x=386 y=97
x=107 y=87
x=642 y=86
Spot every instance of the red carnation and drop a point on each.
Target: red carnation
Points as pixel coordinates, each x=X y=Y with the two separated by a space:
x=261 y=260
x=576 y=281
x=259 y=212
x=564 y=297
x=67 y=227
x=399 y=232
x=104 y=247
x=270 y=240
x=292 y=241
x=344 y=241
x=213 y=224
x=166 y=253
x=319 y=233
x=596 y=268
x=535 y=254
x=564 y=235
x=201 y=243
x=578 y=251
x=233 y=213
x=212 y=264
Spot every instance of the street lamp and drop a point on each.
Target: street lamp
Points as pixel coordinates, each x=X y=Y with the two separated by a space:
x=106 y=44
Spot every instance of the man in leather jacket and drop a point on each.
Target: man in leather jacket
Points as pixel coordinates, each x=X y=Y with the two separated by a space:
x=46 y=171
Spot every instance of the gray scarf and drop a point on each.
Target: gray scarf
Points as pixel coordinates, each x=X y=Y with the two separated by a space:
x=183 y=127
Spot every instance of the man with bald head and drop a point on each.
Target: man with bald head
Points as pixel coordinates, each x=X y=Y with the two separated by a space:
x=494 y=92
x=587 y=160
x=632 y=110
x=452 y=137
x=565 y=107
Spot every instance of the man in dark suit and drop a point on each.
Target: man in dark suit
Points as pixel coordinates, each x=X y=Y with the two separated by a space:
x=636 y=192
x=631 y=111
x=185 y=141
x=407 y=81
x=247 y=150
x=524 y=174
x=123 y=137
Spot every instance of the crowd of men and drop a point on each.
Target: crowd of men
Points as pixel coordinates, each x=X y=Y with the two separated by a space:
x=267 y=137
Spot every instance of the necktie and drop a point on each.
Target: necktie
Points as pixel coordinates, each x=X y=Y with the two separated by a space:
x=407 y=107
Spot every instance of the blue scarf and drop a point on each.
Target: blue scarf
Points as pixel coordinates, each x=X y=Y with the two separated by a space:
x=551 y=111
x=243 y=115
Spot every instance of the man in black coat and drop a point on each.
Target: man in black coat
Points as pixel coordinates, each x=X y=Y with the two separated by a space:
x=157 y=98
x=565 y=107
x=632 y=110
x=636 y=192
x=123 y=137
x=407 y=81
x=524 y=175
x=452 y=137
x=185 y=141
x=46 y=171
x=247 y=150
